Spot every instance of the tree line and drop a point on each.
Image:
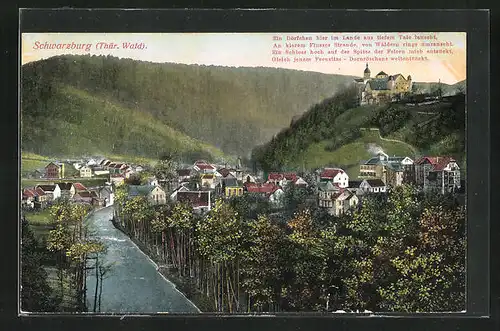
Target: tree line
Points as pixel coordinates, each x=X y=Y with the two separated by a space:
x=404 y=251
x=77 y=254
x=230 y=108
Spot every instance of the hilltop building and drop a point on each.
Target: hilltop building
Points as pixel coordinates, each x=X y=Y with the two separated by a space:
x=382 y=87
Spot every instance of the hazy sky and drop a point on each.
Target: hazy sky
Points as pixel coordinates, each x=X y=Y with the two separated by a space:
x=251 y=50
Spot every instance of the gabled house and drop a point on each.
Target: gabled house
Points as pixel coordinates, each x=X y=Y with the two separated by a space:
x=269 y=190
x=86 y=197
x=85 y=172
x=41 y=197
x=183 y=175
x=54 y=170
x=229 y=187
x=344 y=202
x=106 y=195
x=355 y=187
x=181 y=188
x=440 y=173
x=336 y=176
x=67 y=190
x=200 y=201
x=51 y=191
x=373 y=186
x=325 y=192
x=204 y=168
x=28 y=197
x=155 y=194
x=208 y=180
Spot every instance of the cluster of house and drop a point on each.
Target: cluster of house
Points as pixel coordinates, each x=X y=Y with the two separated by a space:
x=117 y=171
x=42 y=195
x=201 y=183
x=339 y=194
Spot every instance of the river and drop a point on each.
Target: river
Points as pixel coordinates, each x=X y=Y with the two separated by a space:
x=133 y=285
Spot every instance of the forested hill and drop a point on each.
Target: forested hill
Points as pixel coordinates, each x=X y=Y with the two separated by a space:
x=338 y=132
x=232 y=109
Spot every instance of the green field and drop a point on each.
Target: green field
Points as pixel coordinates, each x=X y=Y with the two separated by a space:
x=350 y=155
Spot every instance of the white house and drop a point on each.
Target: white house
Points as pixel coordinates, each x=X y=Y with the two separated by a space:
x=276 y=196
x=51 y=191
x=152 y=181
x=85 y=171
x=344 y=202
x=91 y=162
x=107 y=195
x=373 y=186
x=335 y=175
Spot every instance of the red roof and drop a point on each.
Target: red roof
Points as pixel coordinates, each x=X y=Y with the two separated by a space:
x=275 y=176
x=330 y=173
x=224 y=172
x=203 y=166
x=290 y=176
x=29 y=193
x=263 y=188
x=200 y=162
x=39 y=191
x=79 y=187
x=438 y=162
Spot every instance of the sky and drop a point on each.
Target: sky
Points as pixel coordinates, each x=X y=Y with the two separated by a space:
x=255 y=50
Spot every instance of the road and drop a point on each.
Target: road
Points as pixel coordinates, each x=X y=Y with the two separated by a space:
x=133 y=285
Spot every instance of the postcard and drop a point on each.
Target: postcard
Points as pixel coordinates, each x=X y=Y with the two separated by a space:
x=243 y=173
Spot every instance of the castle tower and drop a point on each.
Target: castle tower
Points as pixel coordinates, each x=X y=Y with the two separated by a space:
x=410 y=85
x=366 y=73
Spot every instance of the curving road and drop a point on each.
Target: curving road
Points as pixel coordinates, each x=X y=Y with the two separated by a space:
x=133 y=284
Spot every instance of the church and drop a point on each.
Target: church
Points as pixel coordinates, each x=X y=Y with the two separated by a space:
x=383 y=87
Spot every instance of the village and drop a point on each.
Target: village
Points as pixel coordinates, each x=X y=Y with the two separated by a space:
x=202 y=183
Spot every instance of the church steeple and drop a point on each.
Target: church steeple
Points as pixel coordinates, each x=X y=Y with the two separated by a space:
x=367 y=72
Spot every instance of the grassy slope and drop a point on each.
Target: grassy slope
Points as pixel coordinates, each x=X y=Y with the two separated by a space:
x=230 y=108
x=350 y=155
x=87 y=124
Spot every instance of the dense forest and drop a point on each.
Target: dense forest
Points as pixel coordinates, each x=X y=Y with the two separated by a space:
x=403 y=252
x=80 y=104
x=436 y=128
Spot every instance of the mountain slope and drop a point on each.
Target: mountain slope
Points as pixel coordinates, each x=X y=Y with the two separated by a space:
x=74 y=122
x=231 y=108
x=337 y=132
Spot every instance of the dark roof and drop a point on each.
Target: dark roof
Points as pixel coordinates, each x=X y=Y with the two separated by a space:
x=375 y=182
x=366 y=69
x=195 y=198
x=83 y=194
x=140 y=190
x=65 y=186
x=183 y=172
x=373 y=161
x=47 y=188
x=355 y=183
x=382 y=73
x=229 y=182
x=378 y=84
